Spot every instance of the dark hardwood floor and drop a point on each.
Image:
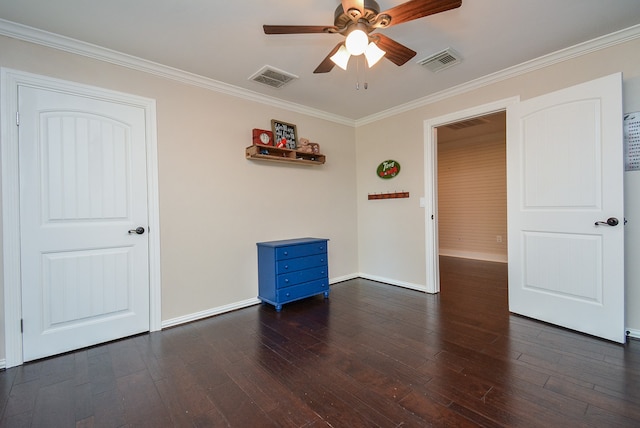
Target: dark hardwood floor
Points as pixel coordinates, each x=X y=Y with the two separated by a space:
x=371 y=355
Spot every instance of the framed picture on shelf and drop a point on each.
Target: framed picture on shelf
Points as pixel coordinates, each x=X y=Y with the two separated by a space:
x=284 y=132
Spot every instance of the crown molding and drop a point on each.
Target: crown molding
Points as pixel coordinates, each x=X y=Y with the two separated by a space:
x=67 y=44
x=562 y=55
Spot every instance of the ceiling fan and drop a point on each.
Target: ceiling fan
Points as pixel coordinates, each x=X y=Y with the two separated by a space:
x=357 y=20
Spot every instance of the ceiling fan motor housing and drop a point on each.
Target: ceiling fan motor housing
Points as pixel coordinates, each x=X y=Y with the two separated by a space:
x=342 y=19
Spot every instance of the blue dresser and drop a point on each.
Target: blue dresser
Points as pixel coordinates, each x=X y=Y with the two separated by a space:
x=292 y=269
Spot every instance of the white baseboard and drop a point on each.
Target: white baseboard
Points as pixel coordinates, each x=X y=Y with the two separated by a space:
x=210 y=312
x=488 y=257
x=343 y=278
x=417 y=287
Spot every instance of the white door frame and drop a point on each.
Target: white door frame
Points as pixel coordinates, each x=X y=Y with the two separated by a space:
x=9 y=81
x=431 y=179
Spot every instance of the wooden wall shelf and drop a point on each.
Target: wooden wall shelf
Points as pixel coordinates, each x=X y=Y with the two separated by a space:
x=391 y=195
x=274 y=154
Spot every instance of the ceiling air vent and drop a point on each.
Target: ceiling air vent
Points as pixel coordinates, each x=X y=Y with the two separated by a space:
x=273 y=77
x=444 y=59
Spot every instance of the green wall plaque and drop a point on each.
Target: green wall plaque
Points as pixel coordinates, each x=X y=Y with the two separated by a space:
x=388 y=169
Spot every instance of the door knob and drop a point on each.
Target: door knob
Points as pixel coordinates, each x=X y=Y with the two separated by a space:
x=611 y=221
x=139 y=230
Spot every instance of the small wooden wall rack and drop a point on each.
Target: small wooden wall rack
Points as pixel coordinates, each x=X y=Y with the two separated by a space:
x=389 y=195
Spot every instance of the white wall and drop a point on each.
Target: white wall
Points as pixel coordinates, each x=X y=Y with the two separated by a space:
x=214 y=204
x=391 y=234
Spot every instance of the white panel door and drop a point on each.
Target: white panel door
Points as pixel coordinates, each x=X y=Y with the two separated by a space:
x=83 y=187
x=565 y=173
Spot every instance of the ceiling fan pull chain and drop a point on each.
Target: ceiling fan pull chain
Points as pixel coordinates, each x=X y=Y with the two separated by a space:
x=364 y=73
x=366 y=85
x=364 y=67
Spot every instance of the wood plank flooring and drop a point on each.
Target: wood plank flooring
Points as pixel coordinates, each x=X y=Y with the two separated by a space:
x=372 y=355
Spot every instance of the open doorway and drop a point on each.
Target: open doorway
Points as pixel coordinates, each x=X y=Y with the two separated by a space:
x=472 y=199
x=472 y=188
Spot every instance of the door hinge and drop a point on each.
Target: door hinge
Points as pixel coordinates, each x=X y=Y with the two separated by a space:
x=21 y=325
x=17 y=118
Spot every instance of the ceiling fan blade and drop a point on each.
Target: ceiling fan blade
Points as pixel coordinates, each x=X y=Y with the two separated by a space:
x=327 y=65
x=297 y=29
x=395 y=52
x=414 y=9
x=353 y=5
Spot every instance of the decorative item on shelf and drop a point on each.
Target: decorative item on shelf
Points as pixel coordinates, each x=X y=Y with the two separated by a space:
x=286 y=131
x=262 y=137
x=306 y=146
x=389 y=195
x=388 y=169
x=282 y=144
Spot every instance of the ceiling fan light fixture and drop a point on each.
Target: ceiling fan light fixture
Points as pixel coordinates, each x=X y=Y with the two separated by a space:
x=357 y=41
x=373 y=54
x=341 y=57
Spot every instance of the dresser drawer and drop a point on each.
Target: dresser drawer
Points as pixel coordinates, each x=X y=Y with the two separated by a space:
x=301 y=263
x=293 y=251
x=293 y=278
x=302 y=290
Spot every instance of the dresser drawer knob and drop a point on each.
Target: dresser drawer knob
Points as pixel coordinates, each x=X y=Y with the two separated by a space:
x=287 y=294
x=286 y=253
x=286 y=266
x=286 y=280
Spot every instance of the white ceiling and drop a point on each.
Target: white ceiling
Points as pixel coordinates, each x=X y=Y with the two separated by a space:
x=224 y=41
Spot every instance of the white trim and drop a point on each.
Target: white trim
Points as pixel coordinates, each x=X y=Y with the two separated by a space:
x=67 y=44
x=55 y=41
x=430 y=179
x=431 y=208
x=403 y=284
x=10 y=219
x=342 y=278
x=153 y=202
x=210 y=312
x=9 y=81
